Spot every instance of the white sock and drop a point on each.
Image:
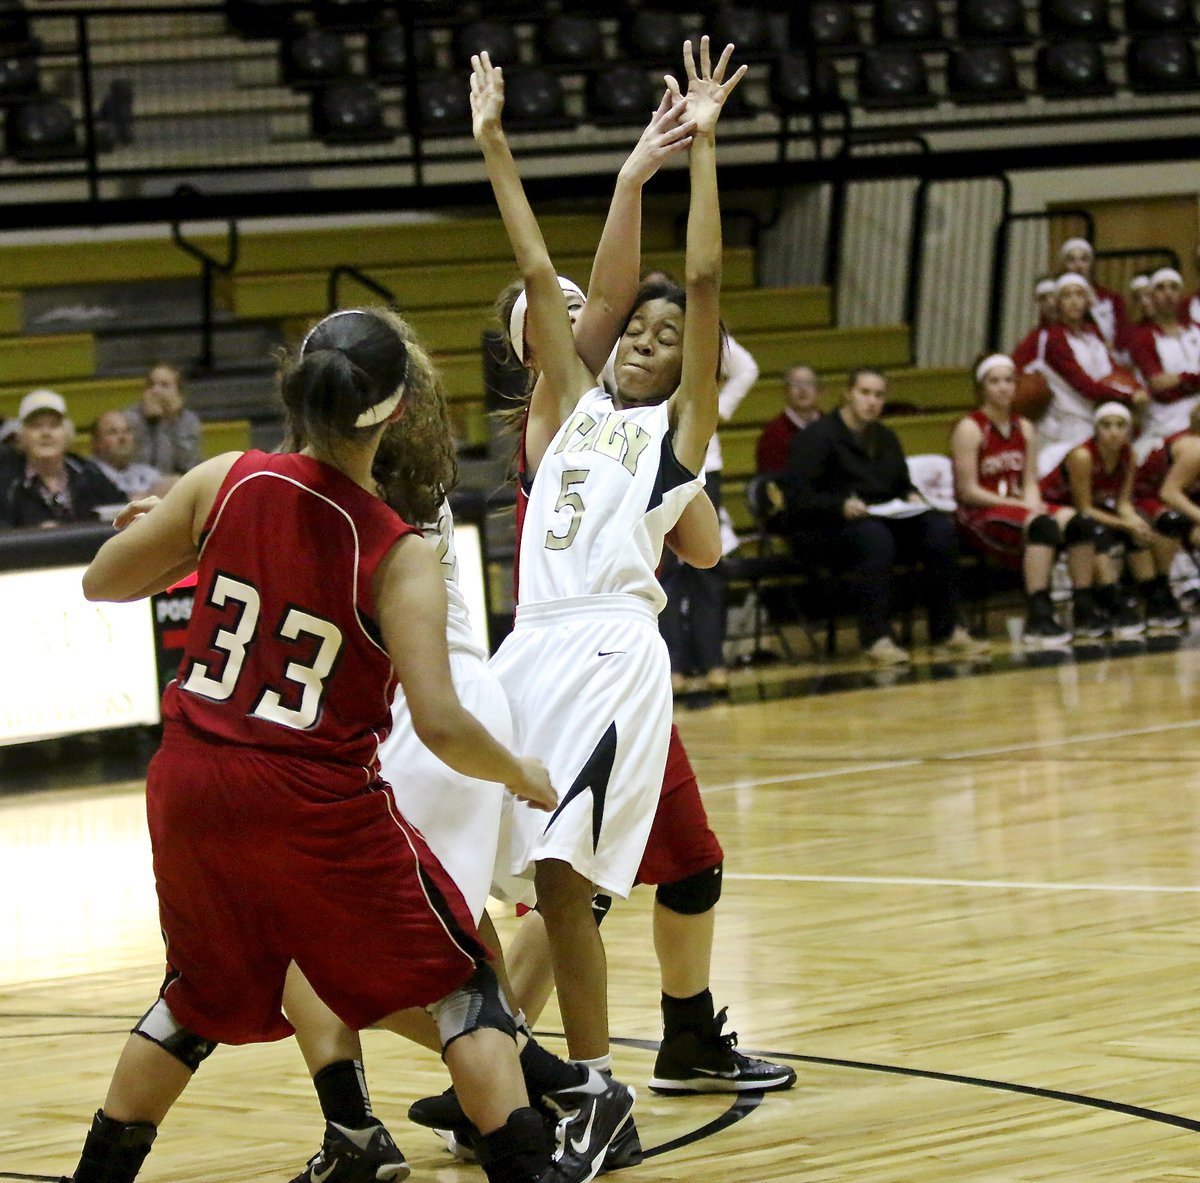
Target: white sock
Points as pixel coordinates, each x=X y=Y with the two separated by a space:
x=600 y=1063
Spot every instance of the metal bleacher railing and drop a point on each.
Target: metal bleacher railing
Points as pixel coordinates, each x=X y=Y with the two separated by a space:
x=327 y=104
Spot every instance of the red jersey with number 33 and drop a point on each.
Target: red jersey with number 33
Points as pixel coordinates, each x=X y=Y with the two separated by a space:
x=283 y=653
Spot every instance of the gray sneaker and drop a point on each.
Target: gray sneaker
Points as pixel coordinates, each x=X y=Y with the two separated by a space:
x=355 y=1156
x=591 y=1115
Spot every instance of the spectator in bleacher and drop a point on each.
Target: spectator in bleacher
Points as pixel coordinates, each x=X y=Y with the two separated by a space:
x=1081 y=373
x=113 y=448
x=1166 y=352
x=52 y=487
x=1098 y=478
x=1141 y=301
x=1108 y=307
x=801 y=396
x=1190 y=305
x=1000 y=511
x=168 y=434
x=1032 y=347
x=693 y=621
x=851 y=503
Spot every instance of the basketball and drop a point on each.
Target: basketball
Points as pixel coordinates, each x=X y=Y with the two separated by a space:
x=1033 y=395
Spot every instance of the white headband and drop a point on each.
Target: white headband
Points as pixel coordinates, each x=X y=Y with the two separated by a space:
x=516 y=318
x=1044 y=287
x=1076 y=244
x=1138 y=282
x=1104 y=410
x=988 y=364
x=1071 y=279
x=1166 y=275
x=380 y=411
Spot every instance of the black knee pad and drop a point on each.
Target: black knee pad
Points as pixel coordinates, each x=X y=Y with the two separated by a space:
x=479 y=1002
x=1080 y=529
x=1106 y=540
x=694 y=895
x=1172 y=524
x=1044 y=531
x=159 y=1026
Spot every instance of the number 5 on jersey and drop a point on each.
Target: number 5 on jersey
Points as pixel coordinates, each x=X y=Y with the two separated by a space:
x=233 y=641
x=570 y=500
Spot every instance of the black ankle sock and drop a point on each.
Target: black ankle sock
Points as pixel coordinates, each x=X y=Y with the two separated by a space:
x=687 y=1014
x=342 y=1090
x=1107 y=597
x=113 y=1151
x=518 y=1152
x=546 y=1073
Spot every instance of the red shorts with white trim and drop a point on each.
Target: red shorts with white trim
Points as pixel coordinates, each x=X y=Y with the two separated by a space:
x=261 y=860
x=681 y=842
x=996 y=531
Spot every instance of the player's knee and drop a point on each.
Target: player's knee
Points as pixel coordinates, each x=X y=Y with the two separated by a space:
x=1105 y=540
x=159 y=1026
x=694 y=895
x=1081 y=530
x=601 y=904
x=1044 y=531
x=477 y=1004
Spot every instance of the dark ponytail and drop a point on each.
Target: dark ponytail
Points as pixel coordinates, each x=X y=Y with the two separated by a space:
x=352 y=361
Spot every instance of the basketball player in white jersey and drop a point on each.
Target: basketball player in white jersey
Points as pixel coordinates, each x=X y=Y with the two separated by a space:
x=585 y=670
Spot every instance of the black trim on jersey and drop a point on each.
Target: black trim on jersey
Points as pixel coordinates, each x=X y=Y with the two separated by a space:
x=370 y=627
x=671 y=473
x=470 y=944
x=593 y=777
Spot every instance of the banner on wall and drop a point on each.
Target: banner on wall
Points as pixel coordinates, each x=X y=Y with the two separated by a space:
x=70 y=666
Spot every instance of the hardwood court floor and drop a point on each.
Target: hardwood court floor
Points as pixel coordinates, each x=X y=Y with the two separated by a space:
x=966 y=910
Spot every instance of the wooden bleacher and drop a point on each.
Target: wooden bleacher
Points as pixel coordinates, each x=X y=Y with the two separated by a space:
x=445 y=274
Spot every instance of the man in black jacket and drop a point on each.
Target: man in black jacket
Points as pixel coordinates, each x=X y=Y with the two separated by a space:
x=49 y=486
x=851 y=504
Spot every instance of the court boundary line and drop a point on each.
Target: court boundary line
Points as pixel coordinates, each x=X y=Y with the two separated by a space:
x=949 y=757
x=1001 y=884
x=1030 y=1090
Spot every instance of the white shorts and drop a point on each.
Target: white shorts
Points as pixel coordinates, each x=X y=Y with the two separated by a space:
x=589 y=682
x=463 y=820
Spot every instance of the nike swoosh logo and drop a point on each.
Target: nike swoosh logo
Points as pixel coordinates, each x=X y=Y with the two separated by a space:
x=321 y=1176
x=701 y=1072
x=609 y=652
x=580 y=1144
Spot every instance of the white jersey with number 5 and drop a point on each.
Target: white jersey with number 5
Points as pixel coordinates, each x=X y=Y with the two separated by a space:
x=606 y=492
x=585 y=669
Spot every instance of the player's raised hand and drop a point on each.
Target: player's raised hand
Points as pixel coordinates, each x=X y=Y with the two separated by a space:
x=668 y=132
x=487 y=94
x=534 y=787
x=707 y=88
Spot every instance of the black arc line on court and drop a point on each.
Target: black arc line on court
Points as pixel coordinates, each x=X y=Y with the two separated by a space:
x=1028 y=1090
x=743 y=1105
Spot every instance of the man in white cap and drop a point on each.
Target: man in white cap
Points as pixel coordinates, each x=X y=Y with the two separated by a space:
x=1108 y=307
x=52 y=487
x=1166 y=351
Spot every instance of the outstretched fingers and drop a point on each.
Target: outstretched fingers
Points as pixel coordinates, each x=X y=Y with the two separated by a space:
x=718 y=75
x=727 y=87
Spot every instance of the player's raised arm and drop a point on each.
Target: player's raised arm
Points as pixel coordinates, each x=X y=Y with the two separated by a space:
x=547 y=327
x=694 y=404
x=615 y=271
